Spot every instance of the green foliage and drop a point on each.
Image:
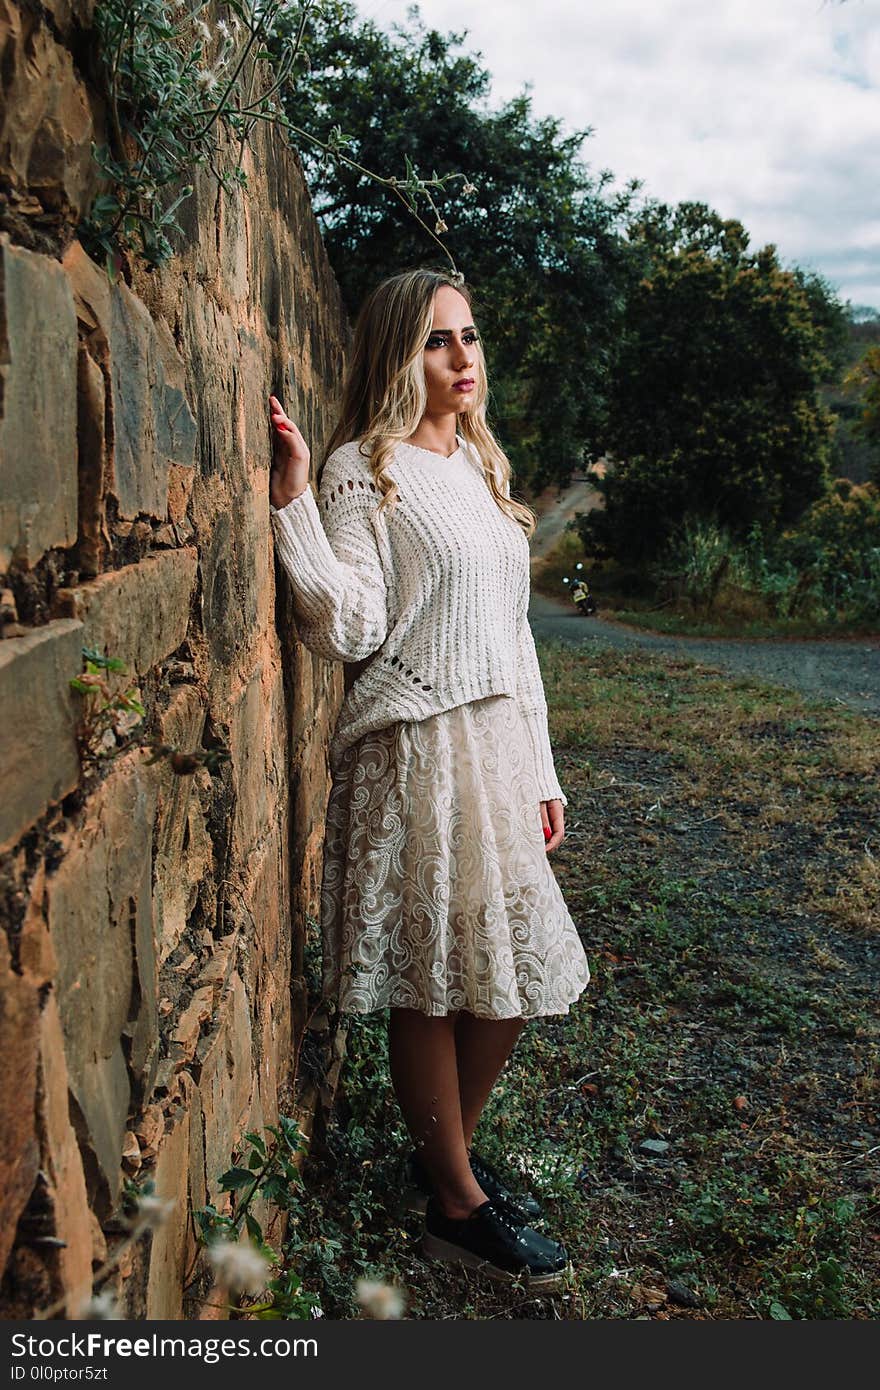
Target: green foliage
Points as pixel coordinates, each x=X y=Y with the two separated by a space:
x=837 y=544
x=699 y=560
x=827 y=568
x=739 y=1213
x=853 y=454
x=267 y=1169
x=357 y=1193
x=864 y=378
x=538 y=237
x=107 y=714
x=165 y=104
x=714 y=409
x=173 y=84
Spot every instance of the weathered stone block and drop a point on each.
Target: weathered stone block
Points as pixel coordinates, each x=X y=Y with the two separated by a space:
x=266 y=967
x=100 y=917
x=302 y=711
x=139 y=613
x=92 y=294
x=198 y=1196
x=226 y=1082
x=153 y=429
x=64 y=12
x=189 y=1025
x=250 y=737
x=38 y=498
x=19 y=1046
x=180 y=487
x=140 y=475
x=91 y=446
x=212 y=352
x=183 y=845
x=168 y=1248
x=38 y=753
x=176 y=433
x=62 y=1165
x=45 y=119
x=268 y=957
x=232 y=244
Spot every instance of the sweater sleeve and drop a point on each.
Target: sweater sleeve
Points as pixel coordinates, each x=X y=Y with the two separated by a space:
x=331 y=556
x=533 y=707
x=532 y=703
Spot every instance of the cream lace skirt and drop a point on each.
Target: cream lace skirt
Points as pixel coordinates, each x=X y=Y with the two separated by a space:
x=437 y=890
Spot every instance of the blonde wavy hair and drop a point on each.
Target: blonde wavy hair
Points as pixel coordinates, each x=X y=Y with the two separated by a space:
x=384 y=395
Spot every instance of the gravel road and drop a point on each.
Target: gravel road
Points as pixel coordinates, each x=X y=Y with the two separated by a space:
x=844 y=671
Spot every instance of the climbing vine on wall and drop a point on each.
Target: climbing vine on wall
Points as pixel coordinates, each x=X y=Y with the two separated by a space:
x=177 y=76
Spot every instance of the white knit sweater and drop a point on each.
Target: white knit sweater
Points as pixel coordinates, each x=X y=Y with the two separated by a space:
x=431 y=599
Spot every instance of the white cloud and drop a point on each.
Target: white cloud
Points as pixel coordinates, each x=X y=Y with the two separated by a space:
x=767 y=110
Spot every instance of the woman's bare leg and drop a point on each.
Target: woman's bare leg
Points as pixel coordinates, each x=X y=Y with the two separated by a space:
x=424 y=1072
x=482 y=1046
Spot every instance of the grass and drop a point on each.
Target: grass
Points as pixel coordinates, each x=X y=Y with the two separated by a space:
x=702 y=1126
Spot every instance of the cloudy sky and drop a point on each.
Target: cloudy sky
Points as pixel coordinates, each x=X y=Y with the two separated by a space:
x=767 y=110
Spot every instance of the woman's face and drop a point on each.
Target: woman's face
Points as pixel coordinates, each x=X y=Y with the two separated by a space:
x=450 y=355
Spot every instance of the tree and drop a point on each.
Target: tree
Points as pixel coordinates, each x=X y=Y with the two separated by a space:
x=539 y=238
x=865 y=378
x=714 y=407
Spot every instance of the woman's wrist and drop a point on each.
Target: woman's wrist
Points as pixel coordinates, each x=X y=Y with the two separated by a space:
x=279 y=502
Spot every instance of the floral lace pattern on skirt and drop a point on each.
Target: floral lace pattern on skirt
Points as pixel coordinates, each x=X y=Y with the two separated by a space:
x=437 y=890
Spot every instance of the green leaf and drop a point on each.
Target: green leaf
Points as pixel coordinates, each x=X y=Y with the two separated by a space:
x=236 y=1178
x=274 y=1187
x=779 y=1314
x=108 y=663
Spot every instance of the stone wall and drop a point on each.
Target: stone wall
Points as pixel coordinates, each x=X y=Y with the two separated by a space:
x=155 y=908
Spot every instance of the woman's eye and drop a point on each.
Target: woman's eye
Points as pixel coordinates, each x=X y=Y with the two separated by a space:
x=434 y=342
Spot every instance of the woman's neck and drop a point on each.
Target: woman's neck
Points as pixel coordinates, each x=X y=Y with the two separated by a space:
x=436 y=434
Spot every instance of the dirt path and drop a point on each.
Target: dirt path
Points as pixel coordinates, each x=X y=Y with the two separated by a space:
x=848 y=672
x=556 y=510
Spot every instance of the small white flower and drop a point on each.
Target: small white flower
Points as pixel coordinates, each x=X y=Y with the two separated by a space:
x=380 y=1301
x=203 y=30
x=207 y=82
x=153 y=1211
x=224 y=30
x=440 y=226
x=240 y=1267
x=101 y=1307
x=469 y=188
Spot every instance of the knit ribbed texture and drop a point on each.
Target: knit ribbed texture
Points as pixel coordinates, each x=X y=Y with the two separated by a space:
x=431 y=599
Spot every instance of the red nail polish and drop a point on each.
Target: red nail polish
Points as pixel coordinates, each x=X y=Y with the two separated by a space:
x=548 y=833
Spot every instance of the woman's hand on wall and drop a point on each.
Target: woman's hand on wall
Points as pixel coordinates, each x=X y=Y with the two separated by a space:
x=553 y=819
x=290 y=464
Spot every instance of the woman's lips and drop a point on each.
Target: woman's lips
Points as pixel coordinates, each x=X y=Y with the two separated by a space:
x=463 y=386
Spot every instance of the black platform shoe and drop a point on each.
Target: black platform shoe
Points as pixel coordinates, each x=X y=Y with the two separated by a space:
x=523 y=1204
x=496 y=1243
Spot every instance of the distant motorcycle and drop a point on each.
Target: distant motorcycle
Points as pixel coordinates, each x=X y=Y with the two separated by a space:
x=582 y=598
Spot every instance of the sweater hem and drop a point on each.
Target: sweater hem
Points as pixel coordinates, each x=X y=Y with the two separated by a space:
x=346 y=734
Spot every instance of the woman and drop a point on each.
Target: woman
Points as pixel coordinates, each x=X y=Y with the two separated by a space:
x=437 y=900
